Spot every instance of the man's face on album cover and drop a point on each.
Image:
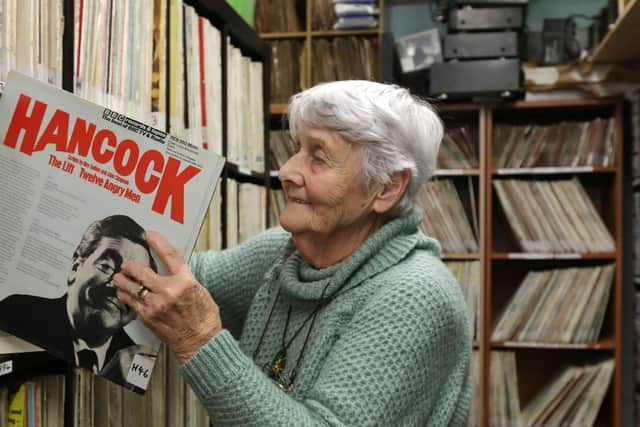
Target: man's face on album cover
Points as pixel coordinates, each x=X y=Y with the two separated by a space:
x=92 y=299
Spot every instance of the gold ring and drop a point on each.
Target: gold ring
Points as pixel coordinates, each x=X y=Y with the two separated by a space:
x=142 y=293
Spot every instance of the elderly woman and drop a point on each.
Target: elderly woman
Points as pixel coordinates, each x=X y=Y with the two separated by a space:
x=343 y=316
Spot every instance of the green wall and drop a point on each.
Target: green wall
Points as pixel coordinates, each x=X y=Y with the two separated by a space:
x=404 y=17
x=245 y=8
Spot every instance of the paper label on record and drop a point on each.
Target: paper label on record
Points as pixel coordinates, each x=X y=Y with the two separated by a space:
x=140 y=371
x=157 y=119
x=6 y=367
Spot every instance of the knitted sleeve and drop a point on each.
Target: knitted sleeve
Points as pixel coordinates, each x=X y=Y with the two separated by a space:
x=233 y=276
x=403 y=359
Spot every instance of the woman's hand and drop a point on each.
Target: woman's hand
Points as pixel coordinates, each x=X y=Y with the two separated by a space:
x=178 y=309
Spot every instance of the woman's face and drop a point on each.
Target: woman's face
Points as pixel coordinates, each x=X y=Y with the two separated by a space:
x=323 y=185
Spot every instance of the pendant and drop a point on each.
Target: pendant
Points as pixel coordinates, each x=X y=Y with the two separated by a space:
x=278 y=364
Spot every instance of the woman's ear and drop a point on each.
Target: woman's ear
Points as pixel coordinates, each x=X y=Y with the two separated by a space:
x=389 y=194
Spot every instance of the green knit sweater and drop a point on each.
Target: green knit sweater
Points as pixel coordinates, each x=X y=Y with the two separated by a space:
x=390 y=348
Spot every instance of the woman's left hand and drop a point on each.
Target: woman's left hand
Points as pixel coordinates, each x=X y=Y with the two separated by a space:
x=178 y=309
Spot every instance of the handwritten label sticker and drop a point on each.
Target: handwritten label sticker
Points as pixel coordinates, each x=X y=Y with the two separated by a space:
x=140 y=371
x=6 y=367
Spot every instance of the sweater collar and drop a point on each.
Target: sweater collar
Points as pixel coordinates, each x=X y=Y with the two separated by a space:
x=392 y=242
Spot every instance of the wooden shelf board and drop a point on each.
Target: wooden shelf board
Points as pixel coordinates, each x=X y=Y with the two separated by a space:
x=457 y=172
x=532 y=256
x=560 y=170
x=620 y=44
x=560 y=103
x=276 y=36
x=457 y=107
x=278 y=109
x=319 y=33
x=338 y=33
x=598 y=345
x=33 y=363
x=460 y=256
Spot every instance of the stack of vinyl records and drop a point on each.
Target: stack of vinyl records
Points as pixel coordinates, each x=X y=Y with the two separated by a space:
x=355 y=14
x=553 y=216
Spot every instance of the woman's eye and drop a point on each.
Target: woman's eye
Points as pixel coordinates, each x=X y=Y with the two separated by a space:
x=319 y=161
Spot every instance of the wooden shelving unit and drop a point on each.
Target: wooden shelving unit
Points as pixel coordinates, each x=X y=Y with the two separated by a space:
x=504 y=262
x=555 y=171
x=290 y=35
x=307 y=38
x=620 y=44
x=529 y=256
x=457 y=172
x=455 y=256
x=497 y=255
x=475 y=118
x=278 y=109
x=601 y=345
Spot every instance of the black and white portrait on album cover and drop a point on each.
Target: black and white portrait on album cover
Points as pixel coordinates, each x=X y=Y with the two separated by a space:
x=85 y=325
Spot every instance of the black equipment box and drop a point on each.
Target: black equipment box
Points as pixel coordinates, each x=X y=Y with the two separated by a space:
x=493 y=2
x=490 y=78
x=486 y=18
x=481 y=45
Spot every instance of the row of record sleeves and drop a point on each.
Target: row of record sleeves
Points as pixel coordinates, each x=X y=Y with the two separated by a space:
x=287 y=16
x=573 y=396
x=562 y=144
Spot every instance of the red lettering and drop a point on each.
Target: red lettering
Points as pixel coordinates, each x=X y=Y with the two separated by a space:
x=148 y=185
x=81 y=137
x=172 y=187
x=153 y=172
x=126 y=157
x=103 y=156
x=56 y=132
x=21 y=121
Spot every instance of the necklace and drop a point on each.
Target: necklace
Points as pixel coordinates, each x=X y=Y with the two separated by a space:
x=276 y=369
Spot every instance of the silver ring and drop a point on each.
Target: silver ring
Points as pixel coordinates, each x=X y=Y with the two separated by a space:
x=142 y=293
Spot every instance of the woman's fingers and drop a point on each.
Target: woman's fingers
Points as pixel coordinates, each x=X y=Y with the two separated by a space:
x=175 y=307
x=129 y=291
x=126 y=284
x=141 y=274
x=171 y=260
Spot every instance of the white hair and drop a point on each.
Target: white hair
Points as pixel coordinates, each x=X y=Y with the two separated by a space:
x=396 y=130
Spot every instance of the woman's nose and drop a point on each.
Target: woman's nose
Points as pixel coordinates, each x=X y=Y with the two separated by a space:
x=291 y=171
